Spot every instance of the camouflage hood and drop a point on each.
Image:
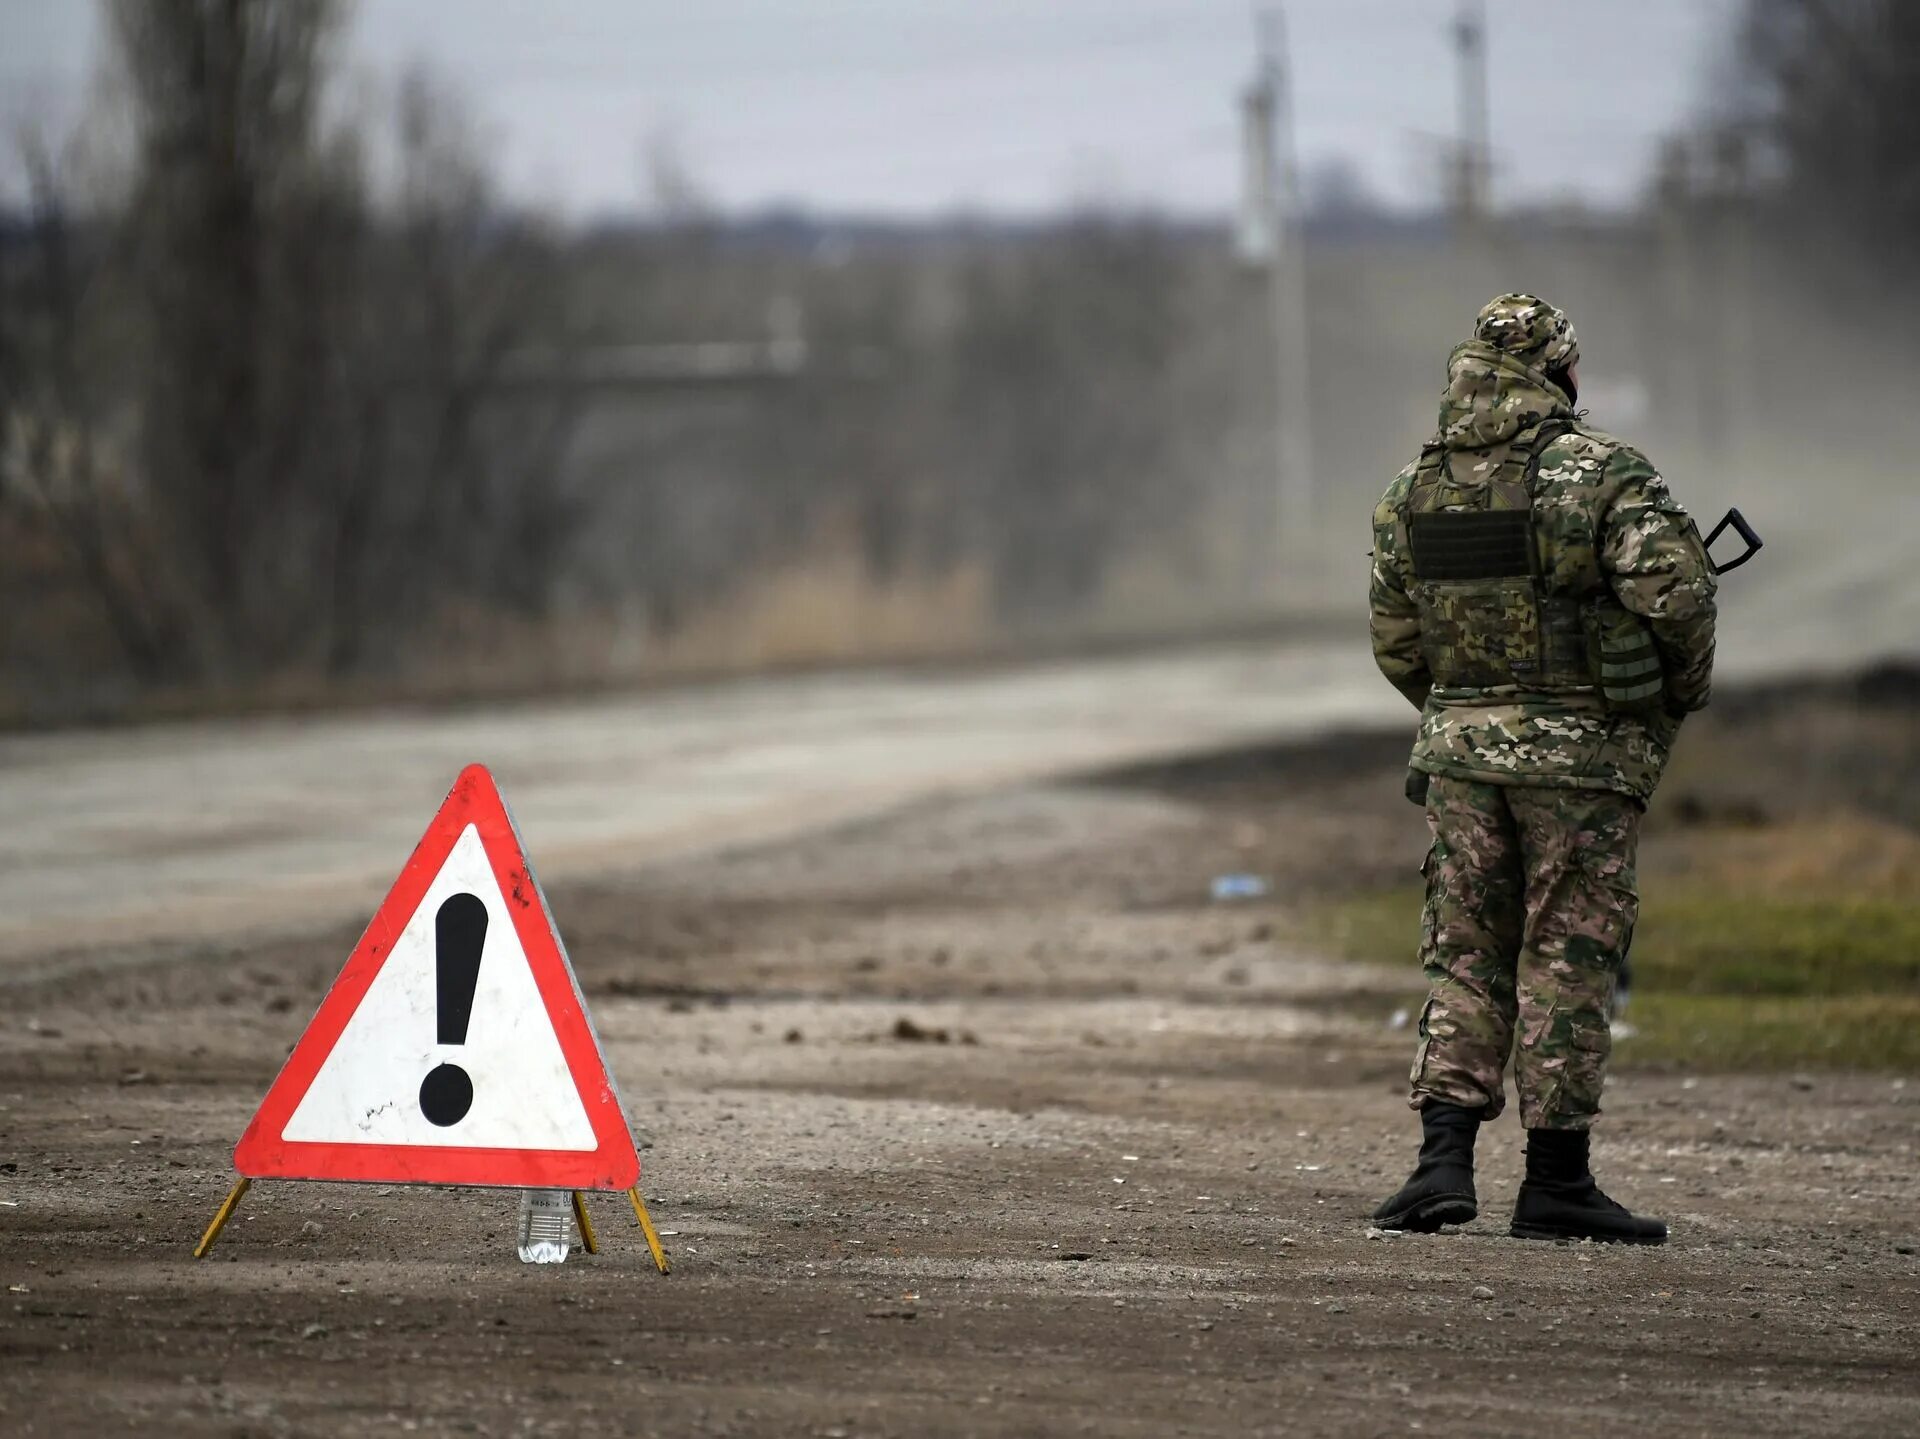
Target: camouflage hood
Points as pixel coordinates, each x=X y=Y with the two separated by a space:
x=1491 y=397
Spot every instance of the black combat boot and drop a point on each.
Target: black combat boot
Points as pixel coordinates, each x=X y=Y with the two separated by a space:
x=1559 y=1200
x=1440 y=1190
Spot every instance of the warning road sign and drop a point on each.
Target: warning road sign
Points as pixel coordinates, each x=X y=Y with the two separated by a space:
x=455 y=1047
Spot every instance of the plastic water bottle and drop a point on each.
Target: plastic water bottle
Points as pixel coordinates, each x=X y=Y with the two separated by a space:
x=546 y=1226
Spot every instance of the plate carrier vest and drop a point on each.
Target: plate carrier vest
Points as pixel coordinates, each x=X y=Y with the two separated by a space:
x=1489 y=617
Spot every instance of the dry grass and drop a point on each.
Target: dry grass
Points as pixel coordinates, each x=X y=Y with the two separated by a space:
x=1842 y=853
x=831 y=612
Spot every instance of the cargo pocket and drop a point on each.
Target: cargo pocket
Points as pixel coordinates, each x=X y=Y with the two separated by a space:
x=1429 y=915
x=1586 y=1072
x=1569 y=1089
x=1608 y=896
x=1626 y=666
x=1417 y=1076
x=1591 y=1036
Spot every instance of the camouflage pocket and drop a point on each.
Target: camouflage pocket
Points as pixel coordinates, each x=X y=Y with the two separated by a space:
x=1481 y=635
x=1603 y=909
x=1626 y=666
x=1430 y=914
x=1424 y=1031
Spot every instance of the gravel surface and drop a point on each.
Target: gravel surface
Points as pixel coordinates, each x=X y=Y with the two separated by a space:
x=976 y=1118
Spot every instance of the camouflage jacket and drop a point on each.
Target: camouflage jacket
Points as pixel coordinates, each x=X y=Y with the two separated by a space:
x=1603 y=525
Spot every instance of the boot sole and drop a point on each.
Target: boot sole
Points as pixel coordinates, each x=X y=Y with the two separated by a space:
x=1536 y=1231
x=1429 y=1214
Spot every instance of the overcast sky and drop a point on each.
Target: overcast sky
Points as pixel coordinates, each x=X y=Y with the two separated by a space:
x=915 y=106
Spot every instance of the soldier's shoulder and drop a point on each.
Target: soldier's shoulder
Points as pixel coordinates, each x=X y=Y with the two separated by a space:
x=1397 y=492
x=1575 y=459
x=1409 y=472
x=1633 y=479
x=1586 y=453
x=1615 y=452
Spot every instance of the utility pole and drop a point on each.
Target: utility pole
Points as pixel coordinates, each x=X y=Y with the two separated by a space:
x=1270 y=233
x=1472 y=154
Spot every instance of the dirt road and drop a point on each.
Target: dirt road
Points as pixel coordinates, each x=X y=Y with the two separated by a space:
x=210 y=830
x=977 y=1118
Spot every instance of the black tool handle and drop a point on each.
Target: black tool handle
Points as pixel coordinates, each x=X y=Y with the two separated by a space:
x=1746 y=532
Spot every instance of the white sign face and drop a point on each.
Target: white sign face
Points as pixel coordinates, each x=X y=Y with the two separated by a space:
x=439 y=1053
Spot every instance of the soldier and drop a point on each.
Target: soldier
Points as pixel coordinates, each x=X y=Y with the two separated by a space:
x=1547 y=605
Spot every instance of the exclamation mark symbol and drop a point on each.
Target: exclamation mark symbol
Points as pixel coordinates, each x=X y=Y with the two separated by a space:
x=459 y=933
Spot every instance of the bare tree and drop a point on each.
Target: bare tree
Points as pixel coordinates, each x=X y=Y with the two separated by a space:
x=1832 y=89
x=280 y=439
x=56 y=455
x=227 y=226
x=1060 y=376
x=453 y=491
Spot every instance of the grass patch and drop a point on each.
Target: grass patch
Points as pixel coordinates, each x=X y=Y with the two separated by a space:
x=1731 y=979
x=1710 y=942
x=1724 y=1031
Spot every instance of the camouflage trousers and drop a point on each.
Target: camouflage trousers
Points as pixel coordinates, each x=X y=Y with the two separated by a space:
x=1530 y=908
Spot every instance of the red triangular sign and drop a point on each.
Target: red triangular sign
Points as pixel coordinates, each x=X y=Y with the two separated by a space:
x=454 y=1048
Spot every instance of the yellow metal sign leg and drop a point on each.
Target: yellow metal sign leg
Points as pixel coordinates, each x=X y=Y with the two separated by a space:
x=646 y=1228
x=220 y=1218
x=587 y=1241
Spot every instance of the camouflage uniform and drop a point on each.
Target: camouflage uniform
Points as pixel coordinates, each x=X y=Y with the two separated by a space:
x=1544 y=600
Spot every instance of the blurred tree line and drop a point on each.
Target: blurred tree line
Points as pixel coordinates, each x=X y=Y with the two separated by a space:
x=289 y=397
x=1790 y=218
x=266 y=406
x=1827 y=94
x=242 y=379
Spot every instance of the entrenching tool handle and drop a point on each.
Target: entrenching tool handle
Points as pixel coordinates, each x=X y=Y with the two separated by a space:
x=1746 y=532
